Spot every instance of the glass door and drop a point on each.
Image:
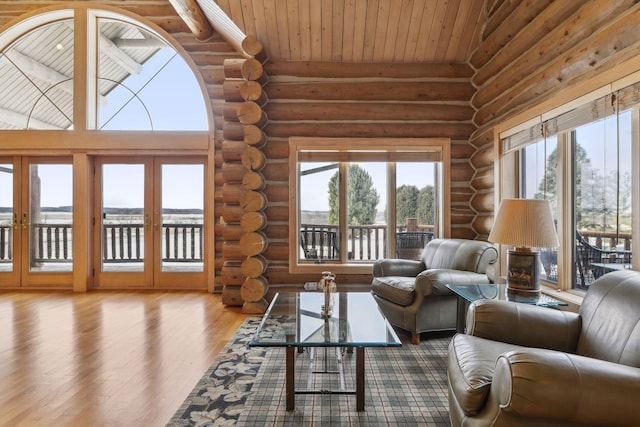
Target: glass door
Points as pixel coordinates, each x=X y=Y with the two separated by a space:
x=46 y=222
x=123 y=223
x=149 y=223
x=179 y=223
x=36 y=222
x=9 y=227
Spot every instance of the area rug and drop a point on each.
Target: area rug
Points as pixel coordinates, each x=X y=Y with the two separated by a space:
x=245 y=387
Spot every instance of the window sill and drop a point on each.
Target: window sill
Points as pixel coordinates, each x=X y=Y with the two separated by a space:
x=318 y=268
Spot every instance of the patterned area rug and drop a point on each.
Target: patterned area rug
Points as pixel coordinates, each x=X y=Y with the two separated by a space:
x=404 y=386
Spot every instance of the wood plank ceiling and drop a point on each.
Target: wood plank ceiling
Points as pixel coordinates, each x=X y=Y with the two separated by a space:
x=362 y=31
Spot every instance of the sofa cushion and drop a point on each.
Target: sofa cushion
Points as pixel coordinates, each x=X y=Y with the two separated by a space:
x=397 y=289
x=471 y=364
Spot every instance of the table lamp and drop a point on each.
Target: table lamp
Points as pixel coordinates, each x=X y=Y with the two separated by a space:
x=525 y=224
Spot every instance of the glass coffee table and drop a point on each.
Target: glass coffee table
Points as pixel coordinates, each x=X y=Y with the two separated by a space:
x=470 y=293
x=293 y=321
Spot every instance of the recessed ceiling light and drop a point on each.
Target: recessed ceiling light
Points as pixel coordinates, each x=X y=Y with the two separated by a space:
x=59 y=46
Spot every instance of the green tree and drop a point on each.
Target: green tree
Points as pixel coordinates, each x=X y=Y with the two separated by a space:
x=548 y=186
x=599 y=203
x=426 y=206
x=362 y=197
x=406 y=203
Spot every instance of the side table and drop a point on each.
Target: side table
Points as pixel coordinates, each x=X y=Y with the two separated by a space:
x=470 y=293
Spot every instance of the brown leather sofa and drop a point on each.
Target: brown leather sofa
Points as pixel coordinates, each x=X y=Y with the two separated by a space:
x=521 y=365
x=412 y=294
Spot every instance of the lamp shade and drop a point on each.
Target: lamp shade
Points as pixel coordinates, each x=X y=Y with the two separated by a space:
x=524 y=223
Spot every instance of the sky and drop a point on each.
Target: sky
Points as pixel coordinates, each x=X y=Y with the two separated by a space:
x=175 y=101
x=598 y=140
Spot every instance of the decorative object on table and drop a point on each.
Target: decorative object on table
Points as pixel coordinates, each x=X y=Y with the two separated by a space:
x=525 y=224
x=328 y=286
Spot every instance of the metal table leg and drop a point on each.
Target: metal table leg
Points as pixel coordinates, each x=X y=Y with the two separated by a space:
x=359 y=378
x=290 y=377
x=461 y=314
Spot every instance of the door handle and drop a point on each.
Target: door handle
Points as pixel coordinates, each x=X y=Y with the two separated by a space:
x=147 y=220
x=24 y=221
x=155 y=223
x=15 y=221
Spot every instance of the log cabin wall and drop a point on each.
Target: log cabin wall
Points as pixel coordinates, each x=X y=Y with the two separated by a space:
x=363 y=100
x=309 y=99
x=531 y=52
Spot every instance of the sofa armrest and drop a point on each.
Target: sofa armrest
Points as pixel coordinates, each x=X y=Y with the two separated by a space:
x=397 y=267
x=525 y=325
x=566 y=388
x=435 y=281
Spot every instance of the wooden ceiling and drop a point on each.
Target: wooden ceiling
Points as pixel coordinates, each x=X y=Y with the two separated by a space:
x=361 y=31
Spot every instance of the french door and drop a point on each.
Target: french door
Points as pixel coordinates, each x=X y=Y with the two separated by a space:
x=149 y=222
x=36 y=217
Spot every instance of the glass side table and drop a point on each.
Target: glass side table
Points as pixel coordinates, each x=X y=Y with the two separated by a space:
x=470 y=293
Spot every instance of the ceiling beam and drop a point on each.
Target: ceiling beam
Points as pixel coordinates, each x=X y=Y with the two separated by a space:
x=109 y=48
x=194 y=17
x=119 y=56
x=223 y=24
x=20 y=120
x=43 y=72
x=145 y=43
x=37 y=69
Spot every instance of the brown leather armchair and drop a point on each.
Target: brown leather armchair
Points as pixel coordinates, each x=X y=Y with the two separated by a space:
x=413 y=294
x=521 y=365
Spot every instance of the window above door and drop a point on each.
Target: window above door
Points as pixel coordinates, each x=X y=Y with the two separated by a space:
x=132 y=79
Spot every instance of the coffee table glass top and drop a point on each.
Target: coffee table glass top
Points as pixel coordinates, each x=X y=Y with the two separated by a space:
x=294 y=319
x=498 y=291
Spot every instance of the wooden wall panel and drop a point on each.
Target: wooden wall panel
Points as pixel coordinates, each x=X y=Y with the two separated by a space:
x=399 y=102
x=524 y=63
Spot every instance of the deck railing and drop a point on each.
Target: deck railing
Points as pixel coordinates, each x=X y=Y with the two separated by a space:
x=121 y=243
x=364 y=242
x=185 y=242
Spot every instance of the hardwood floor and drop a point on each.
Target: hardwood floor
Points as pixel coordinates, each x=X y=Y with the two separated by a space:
x=105 y=358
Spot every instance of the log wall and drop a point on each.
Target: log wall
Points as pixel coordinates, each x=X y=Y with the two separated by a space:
x=531 y=52
x=363 y=100
x=257 y=107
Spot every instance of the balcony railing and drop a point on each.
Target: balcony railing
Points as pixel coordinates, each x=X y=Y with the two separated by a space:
x=121 y=243
x=183 y=243
x=364 y=242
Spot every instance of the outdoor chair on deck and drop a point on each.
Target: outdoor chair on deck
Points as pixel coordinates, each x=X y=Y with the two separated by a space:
x=319 y=244
x=592 y=262
x=409 y=244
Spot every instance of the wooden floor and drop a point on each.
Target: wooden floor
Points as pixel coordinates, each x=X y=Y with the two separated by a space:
x=105 y=358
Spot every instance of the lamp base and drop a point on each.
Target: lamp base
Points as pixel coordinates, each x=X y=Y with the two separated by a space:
x=523 y=271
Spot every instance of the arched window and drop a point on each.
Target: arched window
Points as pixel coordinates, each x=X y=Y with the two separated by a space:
x=135 y=79
x=93 y=100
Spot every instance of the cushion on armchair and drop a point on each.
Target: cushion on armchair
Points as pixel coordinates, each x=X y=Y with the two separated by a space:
x=397 y=289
